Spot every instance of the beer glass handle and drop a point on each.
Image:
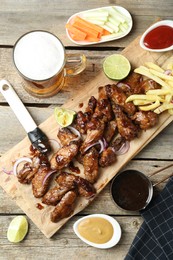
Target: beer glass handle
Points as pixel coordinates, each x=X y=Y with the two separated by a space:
x=75 y=64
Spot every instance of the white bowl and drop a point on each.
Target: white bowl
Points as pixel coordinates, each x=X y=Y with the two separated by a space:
x=119 y=8
x=116 y=231
x=164 y=22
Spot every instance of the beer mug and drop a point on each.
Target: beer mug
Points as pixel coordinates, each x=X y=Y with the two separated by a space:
x=40 y=59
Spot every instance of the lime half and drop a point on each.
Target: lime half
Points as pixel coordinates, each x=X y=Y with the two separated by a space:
x=116 y=67
x=64 y=117
x=17 y=229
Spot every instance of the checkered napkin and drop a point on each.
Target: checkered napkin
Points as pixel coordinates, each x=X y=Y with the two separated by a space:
x=154 y=239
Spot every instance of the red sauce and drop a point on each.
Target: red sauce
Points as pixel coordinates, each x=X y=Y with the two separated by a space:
x=80 y=105
x=159 y=38
x=74 y=168
x=39 y=206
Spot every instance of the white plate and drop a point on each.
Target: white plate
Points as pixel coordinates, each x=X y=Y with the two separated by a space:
x=164 y=22
x=119 y=8
x=116 y=234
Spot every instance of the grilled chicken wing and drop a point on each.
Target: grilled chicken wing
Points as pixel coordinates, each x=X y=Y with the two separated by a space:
x=118 y=97
x=90 y=163
x=65 y=179
x=81 y=121
x=148 y=84
x=103 y=109
x=65 y=207
x=26 y=174
x=131 y=84
x=64 y=156
x=107 y=157
x=54 y=195
x=39 y=186
x=95 y=129
x=91 y=105
x=137 y=84
x=110 y=130
x=145 y=119
x=126 y=127
x=66 y=136
x=85 y=188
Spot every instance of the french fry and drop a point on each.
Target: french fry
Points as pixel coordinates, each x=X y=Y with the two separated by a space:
x=170 y=67
x=157 y=100
x=163 y=107
x=150 y=107
x=144 y=97
x=159 y=92
x=168 y=98
x=152 y=65
x=161 y=75
x=145 y=71
x=170 y=111
x=139 y=102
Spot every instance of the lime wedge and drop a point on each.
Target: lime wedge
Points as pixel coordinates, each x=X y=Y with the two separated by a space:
x=17 y=229
x=116 y=67
x=64 y=117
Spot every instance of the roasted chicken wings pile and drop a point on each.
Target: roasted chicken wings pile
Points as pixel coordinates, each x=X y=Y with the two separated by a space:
x=106 y=124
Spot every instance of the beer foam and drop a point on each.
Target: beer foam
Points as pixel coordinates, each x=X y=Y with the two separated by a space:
x=39 y=55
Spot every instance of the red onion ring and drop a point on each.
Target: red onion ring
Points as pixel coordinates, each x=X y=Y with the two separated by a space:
x=75 y=132
x=55 y=144
x=121 y=84
x=123 y=149
x=103 y=145
x=6 y=171
x=168 y=72
x=47 y=175
x=20 y=160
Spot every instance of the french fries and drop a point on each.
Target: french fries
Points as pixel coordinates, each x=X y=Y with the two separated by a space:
x=157 y=100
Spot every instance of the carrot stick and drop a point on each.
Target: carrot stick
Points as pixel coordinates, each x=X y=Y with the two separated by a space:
x=105 y=32
x=91 y=32
x=85 y=23
x=75 y=33
x=92 y=39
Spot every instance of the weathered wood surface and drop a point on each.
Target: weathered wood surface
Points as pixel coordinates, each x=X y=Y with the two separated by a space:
x=52 y=15
x=23 y=194
x=18 y=17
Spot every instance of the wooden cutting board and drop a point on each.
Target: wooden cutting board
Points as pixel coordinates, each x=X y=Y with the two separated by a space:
x=22 y=194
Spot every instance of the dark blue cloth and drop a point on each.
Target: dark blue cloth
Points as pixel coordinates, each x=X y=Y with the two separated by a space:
x=154 y=239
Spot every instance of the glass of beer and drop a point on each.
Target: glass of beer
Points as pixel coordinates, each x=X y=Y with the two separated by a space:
x=40 y=59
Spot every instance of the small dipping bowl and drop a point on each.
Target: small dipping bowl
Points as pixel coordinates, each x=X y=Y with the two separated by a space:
x=95 y=230
x=159 y=33
x=131 y=190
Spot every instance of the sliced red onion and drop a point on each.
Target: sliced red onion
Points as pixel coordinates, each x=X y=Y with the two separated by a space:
x=20 y=160
x=47 y=175
x=105 y=143
x=102 y=147
x=75 y=132
x=55 y=145
x=91 y=145
x=140 y=79
x=121 y=84
x=6 y=171
x=123 y=149
x=168 y=72
x=101 y=142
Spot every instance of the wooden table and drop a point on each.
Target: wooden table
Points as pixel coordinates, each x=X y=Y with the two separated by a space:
x=18 y=17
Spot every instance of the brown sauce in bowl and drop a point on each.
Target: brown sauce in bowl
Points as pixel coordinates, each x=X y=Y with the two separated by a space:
x=130 y=190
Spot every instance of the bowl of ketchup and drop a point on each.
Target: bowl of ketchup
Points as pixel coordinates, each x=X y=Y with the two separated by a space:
x=158 y=37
